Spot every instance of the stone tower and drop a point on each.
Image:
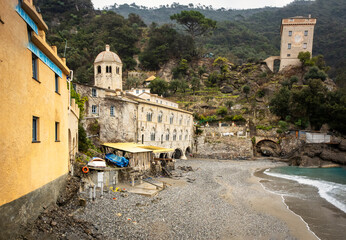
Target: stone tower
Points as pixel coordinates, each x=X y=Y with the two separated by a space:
x=297 y=35
x=108 y=70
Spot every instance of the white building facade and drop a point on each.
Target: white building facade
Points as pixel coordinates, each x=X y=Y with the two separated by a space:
x=112 y=115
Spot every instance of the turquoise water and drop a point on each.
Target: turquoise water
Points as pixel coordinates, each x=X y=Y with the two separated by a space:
x=330 y=182
x=337 y=175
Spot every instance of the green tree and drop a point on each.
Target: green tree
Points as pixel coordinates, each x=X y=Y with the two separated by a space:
x=279 y=104
x=174 y=85
x=181 y=69
x=194 y=22
x=165 y=43
x=246 y=90
x=132 y=82
x=305 y=58
x=229 y=104
x=136 y=19
x=195 y=84
x=159 y=86
x=315 y=73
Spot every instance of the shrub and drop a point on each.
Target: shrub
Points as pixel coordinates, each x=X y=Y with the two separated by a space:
x=238 y=118
x=222 y=111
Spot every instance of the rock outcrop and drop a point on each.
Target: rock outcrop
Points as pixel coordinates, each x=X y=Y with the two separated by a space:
x=320 y=155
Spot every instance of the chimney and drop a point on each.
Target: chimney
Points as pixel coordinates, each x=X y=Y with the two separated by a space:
x=107 y=48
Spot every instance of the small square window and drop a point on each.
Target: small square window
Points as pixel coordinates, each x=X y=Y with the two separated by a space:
x=94 y=92
x=35 y=129
x=57 y=132
x=289 y=46
x=288 y=55
x=290 y=33
x=34 y=67
x=56 y=83
x=306 y=32
x=94 y=109
x=305 y=45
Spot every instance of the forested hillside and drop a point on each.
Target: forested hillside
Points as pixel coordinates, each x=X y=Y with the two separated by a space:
x=161 y=14
x=240 y=35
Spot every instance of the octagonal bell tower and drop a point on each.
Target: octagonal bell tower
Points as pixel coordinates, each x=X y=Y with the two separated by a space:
x=108 y=70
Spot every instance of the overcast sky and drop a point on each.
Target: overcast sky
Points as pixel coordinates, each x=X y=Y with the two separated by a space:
x=234 y=4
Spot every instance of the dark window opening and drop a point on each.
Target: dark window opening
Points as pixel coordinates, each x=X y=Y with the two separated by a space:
x=57 y=138
x=35 y=122
x=99 y=69
x=34 y=67
x=56 y=83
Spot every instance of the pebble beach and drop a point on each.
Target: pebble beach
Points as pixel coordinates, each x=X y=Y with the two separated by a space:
x=217 y=200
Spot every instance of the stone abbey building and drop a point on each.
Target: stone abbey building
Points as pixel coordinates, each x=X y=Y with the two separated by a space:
x=113 y=115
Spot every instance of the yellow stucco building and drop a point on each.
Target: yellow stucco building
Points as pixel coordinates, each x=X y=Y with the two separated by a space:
x=34 y=117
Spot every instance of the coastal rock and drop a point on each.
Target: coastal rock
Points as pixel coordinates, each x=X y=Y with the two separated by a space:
x=342 y=145
x=319 y=155
x=334 y=156
x=307 y=161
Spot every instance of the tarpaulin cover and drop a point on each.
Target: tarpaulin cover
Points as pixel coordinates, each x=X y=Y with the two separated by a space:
x=118 y=161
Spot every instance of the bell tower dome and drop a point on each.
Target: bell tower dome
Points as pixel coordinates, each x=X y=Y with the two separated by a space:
x=108 y=70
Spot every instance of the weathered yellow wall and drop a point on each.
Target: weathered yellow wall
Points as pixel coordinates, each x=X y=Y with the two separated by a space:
x=27 y=166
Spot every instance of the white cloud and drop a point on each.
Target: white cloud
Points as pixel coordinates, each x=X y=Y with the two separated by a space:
x=234 y=4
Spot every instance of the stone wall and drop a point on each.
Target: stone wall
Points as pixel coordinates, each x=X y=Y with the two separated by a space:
x=223 y=147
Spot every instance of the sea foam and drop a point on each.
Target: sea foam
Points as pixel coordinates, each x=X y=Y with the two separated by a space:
x=330 y=191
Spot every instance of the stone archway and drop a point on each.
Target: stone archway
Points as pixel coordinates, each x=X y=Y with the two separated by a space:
x=276 y=65
x=188 y=151
x=268 y=148
x=177 y=154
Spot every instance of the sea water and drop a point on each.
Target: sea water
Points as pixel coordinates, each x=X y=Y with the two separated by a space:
x=318 y=195
x=330 y=182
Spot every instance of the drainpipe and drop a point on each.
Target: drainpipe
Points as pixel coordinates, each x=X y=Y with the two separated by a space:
x=69 y=88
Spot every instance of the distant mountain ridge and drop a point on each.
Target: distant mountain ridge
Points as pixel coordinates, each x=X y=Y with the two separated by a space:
x=161 y=15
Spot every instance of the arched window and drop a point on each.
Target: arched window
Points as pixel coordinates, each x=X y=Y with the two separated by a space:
x=171 y=118
x=167 y=135
x=175 y=135
x=181 y=119
x=98 y=69
x=152 y=134
x=159 y=117
x=186 y=134
x=110 y=69
x=181 y=135
x=107 y=69
x=117 y=70
x=149 y=116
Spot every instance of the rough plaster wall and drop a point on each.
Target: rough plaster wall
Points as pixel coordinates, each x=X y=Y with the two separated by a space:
x=121 y=127
x=223 y=147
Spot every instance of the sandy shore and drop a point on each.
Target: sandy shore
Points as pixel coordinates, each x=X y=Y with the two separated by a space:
x=219 y=200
